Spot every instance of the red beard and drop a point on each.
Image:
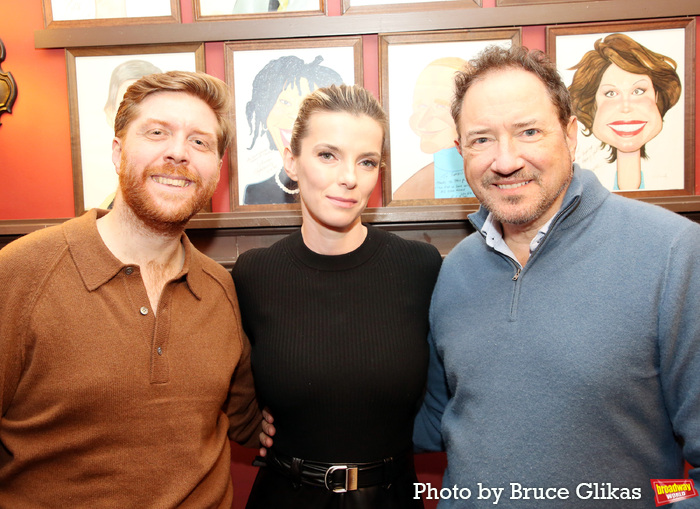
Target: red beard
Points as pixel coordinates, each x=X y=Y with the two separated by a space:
x=168 y=214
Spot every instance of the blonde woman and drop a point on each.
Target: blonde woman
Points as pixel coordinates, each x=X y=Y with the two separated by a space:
x=337 y=315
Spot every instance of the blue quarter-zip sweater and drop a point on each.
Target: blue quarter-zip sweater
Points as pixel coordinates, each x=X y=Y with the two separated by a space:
x=580 y=379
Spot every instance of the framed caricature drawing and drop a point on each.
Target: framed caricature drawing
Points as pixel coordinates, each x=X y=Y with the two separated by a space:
x=632 y=87
x=417 y=82
x=269 y=79
x=379 y=6
x=79 y=13
x=506 y=3
x=97 y=80
x=212 y=10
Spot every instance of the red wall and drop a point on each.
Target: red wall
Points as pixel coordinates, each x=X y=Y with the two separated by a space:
x=35 y=160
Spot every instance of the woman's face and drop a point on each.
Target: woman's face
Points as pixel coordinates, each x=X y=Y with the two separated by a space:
x=431 y=118
x=626 y=116
x=337 y=168
x=280 y=120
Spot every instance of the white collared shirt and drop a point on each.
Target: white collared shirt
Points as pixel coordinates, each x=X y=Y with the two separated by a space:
x=493 y=233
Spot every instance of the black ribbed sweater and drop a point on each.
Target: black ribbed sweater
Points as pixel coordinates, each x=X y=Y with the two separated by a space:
x=339 y=343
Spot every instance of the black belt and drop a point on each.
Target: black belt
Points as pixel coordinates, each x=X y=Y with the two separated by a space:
x=338 y=477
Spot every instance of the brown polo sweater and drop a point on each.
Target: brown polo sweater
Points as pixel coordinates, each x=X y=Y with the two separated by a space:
x=105 y=404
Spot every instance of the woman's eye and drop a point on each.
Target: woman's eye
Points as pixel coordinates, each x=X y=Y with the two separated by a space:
x=638 y=91
x=610 y=93
x=369 y=163
x=325 y=155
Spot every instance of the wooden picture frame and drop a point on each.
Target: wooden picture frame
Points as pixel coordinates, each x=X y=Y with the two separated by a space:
x=268 y=80
x=423 y=166
x=219 y=10
x=97 y=79
x=508 y=3
x=84 y=13
x=392 y=6
x=636 y=119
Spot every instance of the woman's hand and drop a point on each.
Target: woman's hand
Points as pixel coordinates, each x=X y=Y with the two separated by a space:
x=267 y=433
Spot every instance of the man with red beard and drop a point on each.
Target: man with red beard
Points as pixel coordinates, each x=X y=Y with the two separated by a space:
x=123 y=367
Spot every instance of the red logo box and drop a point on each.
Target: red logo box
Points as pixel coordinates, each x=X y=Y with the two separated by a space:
x=668 y=491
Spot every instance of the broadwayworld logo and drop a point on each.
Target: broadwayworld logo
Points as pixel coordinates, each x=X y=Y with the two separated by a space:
x=667 y=491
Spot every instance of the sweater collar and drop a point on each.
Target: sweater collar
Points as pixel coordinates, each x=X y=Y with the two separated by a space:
x=96 y=263
x=583 y=196
x=363 y=253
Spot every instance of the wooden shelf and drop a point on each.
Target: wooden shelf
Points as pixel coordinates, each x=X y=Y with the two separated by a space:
x=392 y=217
x=224 y=236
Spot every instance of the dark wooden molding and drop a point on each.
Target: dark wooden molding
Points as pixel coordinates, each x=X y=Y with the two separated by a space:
x=367 y=23
x=224 y=236
x=390 y=217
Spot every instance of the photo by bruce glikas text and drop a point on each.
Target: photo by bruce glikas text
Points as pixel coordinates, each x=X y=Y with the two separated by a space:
x=516 y=491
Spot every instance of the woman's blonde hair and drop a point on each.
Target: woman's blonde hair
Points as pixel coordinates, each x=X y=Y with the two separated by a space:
x=351 y=99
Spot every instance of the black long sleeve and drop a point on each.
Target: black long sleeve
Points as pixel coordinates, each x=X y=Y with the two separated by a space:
x=339 y=343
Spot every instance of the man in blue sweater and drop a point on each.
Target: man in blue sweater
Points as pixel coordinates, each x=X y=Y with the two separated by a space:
x=565 y=332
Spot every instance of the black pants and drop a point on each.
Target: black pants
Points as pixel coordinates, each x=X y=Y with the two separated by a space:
x=272 y=490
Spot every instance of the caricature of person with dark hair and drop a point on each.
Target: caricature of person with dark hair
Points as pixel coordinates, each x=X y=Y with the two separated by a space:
x=620 y=93
x=278 y=90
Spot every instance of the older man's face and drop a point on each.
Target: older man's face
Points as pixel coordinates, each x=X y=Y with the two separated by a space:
x=517 y=158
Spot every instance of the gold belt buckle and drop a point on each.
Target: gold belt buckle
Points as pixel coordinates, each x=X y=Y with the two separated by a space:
x=350 y=478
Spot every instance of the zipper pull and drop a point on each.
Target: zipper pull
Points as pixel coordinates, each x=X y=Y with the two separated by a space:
x=517 y=275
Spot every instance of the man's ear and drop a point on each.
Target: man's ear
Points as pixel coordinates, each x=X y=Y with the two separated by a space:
x=290 y=165
x=218 y=171
x=117 y=154
x=572 y=136
x=459 y=147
